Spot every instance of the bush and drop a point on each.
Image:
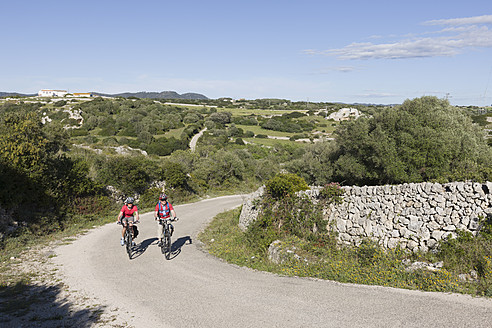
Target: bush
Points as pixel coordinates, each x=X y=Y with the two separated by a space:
x=285 y=184
x=130 y=175
x=174 y=174
x=78 y=132
x=468 y=252
x=149 y=198
x=332 y=193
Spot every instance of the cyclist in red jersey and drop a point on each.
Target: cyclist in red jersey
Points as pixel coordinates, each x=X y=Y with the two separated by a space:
x=163 y=210
x=127 y=216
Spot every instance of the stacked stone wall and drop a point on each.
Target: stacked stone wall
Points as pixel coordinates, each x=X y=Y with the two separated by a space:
x=415 y=216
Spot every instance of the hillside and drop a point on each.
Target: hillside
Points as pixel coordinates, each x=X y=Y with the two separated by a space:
x=156 y=95
x=141 y=94
x=11 y=94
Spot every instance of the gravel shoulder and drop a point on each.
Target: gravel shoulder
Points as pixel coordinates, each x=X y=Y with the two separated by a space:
x=48 y=301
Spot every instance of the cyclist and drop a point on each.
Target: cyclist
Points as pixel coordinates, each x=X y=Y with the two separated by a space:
x=163 y=210
x=126 y=217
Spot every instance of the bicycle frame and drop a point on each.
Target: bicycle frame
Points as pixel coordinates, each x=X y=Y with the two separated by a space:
x=166 y=242
x=128 y=238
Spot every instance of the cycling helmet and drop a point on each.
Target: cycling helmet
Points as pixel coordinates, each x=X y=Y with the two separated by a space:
x=162 y=197
x=129 y=200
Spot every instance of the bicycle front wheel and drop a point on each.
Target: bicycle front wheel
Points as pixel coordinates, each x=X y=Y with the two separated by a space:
x=128 y=242
x=167 y=245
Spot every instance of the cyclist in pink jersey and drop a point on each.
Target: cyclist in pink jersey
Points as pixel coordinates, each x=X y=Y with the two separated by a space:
x=127 y=216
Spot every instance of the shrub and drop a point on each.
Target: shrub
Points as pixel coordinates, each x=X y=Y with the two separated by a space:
x=149 y=198
x=249 y=134
x=285 y=184
x=332 y=192
x=468 y=252
x=129 y=175
x=174 y=174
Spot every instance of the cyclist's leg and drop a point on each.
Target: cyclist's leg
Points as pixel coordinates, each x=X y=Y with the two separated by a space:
x=124 y=223
x=130 y=226
x=160 y=232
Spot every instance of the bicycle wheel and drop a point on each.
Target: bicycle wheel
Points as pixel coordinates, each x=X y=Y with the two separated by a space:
x=167 y=245
x=128 y=242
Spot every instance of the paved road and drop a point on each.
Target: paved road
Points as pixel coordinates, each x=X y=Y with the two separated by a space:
x=195 y=138
x=194 y=289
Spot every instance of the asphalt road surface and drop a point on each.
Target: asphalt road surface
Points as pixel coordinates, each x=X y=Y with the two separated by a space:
x=195 y=289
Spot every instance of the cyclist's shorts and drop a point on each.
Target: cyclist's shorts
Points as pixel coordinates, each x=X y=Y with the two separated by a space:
x=128 y=219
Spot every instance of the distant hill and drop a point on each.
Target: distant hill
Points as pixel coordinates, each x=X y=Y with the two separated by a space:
x=155 y=95
x=141 y=94
x=12 y=94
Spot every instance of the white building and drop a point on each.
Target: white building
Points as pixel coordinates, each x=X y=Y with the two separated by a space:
x=82 y=94
x=52 y=93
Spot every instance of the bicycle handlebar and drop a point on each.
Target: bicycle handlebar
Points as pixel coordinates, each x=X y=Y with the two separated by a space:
x=170 y=219
x=134 y=222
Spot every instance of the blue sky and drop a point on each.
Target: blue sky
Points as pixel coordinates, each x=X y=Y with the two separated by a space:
x=349 y=51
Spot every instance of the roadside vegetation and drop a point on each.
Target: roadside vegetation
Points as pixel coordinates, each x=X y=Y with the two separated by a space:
x=66 y=164
x=305 y=248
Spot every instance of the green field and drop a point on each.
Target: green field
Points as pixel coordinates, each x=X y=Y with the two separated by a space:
x=257 y=112
x=256 y=129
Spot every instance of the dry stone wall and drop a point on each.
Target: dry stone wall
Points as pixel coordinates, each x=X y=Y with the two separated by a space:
x=415 y=216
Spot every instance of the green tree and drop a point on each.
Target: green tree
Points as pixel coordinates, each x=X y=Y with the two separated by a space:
x=22 y=141
x=424 y=139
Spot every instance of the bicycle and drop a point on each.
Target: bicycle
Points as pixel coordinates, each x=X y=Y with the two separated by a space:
x=128 y=239
x=168 y=231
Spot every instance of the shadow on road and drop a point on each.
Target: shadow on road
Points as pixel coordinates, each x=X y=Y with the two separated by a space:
x=142 y=247
x=177 y=244
x=25 y=305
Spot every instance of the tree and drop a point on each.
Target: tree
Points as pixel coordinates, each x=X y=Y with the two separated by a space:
x=424 y=139
x=221 y=118
x=22 y=141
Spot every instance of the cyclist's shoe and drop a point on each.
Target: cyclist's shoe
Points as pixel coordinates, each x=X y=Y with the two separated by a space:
x=122 y=241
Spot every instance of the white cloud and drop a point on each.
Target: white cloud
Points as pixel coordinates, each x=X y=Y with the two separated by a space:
x=449 y=41
x=343 y=69
x=485 y=19
x=374 y=94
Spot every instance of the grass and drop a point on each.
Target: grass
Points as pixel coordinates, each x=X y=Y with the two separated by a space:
x=268 y=142
x=369 y=264
x=256 y=129
x=176 y=133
